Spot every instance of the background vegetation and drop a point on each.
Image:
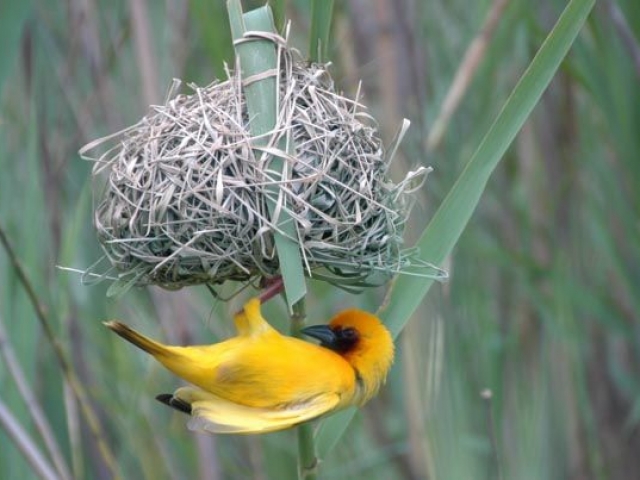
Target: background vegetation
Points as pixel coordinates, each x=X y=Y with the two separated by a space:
x=541 y=307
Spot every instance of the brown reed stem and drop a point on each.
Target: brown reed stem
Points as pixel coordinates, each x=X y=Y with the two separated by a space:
x=471 y=61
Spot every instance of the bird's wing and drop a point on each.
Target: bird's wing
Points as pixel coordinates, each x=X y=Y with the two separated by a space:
x=216 y=415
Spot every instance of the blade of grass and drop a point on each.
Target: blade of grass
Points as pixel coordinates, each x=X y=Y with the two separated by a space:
x=257 y=57
x=35 y=411
x=278 y=8
x=25 y=444
x=321 y=12
x=444 y=229
x=209 y=18
x=12 y=21
x=262 y=96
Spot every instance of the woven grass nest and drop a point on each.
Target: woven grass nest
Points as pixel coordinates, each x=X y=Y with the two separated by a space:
x=181 y=196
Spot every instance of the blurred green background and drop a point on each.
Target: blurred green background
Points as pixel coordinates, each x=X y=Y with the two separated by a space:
x=540 y=309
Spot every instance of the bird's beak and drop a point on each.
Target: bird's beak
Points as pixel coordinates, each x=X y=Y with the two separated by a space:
x=323 y=333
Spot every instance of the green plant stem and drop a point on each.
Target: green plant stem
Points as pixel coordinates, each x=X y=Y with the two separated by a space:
x=298 y=318
x=307 y=458
x=65 y=366
x=258 y=56
x=496 y=469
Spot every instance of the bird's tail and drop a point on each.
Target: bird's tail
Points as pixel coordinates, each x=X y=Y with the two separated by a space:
x=250 y=322
x=139 y=340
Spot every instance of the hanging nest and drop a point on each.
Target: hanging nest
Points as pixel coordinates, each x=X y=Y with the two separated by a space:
x=181 y=196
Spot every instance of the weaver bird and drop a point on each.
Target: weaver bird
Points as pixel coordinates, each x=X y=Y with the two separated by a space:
x=261 y=381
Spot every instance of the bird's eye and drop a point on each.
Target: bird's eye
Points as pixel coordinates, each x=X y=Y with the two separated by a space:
x=346 y=339
x=350 y=333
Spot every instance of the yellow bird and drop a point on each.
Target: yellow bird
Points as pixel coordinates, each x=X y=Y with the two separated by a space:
x=261 y=381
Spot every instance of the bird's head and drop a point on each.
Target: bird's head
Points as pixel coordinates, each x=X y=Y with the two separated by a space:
x=364 y=342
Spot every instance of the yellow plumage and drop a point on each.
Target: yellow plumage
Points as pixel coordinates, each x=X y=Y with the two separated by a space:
x=262 y=381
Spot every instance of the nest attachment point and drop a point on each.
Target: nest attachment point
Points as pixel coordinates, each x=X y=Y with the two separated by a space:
x=181 y=196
